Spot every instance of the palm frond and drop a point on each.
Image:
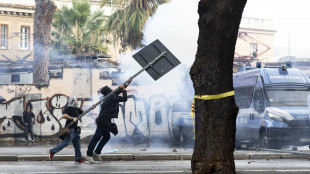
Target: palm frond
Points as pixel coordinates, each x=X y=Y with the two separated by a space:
x=129 y=18
x=137 y=19
x=77 y=28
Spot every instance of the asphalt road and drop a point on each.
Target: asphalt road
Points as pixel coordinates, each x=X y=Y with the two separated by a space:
x=273 y=166
x=153 y=167
x=130 y=167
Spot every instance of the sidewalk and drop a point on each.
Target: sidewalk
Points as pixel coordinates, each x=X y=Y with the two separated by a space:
x=114 y=152
x=110 y=152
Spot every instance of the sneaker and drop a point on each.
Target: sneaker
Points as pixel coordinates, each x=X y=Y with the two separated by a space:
x=51 y=156
x=89 y=159
x=32 y=140
x=79 y=162
x=97 y=157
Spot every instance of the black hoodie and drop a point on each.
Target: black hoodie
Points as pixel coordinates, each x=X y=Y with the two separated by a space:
x=27 y=117
x=110 y=109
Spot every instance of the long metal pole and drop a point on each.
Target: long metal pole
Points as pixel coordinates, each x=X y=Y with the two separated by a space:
x=130 y=79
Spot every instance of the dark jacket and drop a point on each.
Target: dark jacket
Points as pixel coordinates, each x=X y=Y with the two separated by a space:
x=109 y=110
x=27 y=117
x=72 y=112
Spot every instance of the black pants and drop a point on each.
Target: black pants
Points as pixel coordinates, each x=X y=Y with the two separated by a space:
x=100 y=135
x=28 y=128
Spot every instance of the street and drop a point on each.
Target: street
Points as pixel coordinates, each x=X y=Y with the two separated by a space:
x=136 y=167
x=140 y=159
x=272 y=166
x=154 y=167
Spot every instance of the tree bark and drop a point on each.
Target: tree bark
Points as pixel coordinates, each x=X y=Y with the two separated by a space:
x=42 y=28
x=212 y=74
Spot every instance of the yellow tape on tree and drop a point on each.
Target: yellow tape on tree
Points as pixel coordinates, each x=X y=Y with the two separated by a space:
x=208 y=97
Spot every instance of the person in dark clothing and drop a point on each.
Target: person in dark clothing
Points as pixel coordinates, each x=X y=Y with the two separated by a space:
x=27 y=116
x=71 y=113
x=109 y=110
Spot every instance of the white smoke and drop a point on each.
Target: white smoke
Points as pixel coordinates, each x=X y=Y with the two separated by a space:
x=175 y=25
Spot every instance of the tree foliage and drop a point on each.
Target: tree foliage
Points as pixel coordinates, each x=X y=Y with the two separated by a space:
x=129 y=18
x=78 y=31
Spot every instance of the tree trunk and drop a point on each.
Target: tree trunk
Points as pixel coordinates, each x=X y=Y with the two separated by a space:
x=211 y=73
x=42 y=28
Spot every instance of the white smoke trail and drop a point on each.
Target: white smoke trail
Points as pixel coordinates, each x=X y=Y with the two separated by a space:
x=175 y=25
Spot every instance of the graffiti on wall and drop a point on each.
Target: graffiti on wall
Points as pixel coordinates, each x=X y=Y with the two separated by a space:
x=139 y=119
x=47 y=113
x=20 y=90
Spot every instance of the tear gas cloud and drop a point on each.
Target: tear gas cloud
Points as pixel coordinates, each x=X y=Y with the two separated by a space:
x=175 y=25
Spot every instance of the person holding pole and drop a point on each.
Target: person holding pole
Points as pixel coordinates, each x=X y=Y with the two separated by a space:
x=109 y=110
x=71 y=113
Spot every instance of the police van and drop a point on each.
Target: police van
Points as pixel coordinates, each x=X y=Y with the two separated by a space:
x=273 y=107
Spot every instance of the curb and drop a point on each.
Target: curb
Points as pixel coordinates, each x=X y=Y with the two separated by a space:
x=241 y=156
x=145 y=157
x=151 y=156
x=186 y=157
x=117 y=157
x=8 y=157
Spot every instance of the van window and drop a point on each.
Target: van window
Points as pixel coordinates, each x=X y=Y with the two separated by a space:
x=242 y=81
x=288 y=97
x=243 y=96
x=258 y=102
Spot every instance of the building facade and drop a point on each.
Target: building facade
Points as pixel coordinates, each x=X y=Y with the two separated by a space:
x=16 y=21
x=255 y=42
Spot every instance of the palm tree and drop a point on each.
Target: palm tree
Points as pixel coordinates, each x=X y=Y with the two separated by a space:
x=77 y=30
x=129 y=18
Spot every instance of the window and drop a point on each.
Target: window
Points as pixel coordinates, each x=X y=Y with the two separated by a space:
x=24 y=38
x=241 y=81
x=288 y=97
x=253 y=49
x=4 y=37
x=243 y=96
x=15 y=78
x=259 y=105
